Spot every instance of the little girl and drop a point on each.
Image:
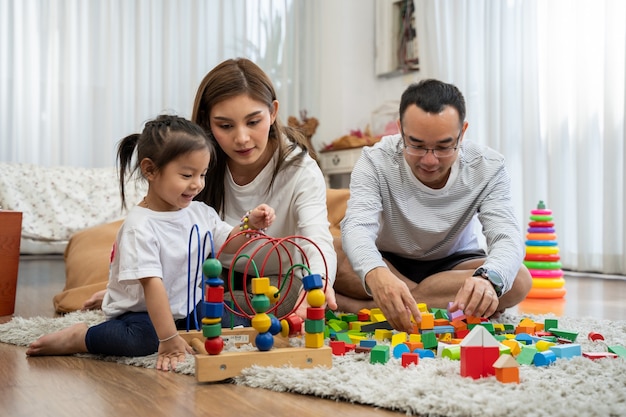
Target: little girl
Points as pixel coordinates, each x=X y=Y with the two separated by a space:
x=146 y=298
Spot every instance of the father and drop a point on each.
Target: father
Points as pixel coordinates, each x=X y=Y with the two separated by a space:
x=410 y=231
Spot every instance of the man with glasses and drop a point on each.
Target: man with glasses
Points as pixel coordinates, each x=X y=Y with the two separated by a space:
x=409 y=233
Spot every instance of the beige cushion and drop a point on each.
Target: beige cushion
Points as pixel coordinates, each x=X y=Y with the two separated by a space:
x=88 y=253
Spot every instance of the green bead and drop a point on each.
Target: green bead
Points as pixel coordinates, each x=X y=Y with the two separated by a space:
x=212 y=268
x=260 y=303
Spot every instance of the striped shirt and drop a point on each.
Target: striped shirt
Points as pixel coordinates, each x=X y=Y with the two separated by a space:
x=391 y=210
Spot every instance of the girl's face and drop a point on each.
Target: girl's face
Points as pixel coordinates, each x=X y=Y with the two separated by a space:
x=175 y=186
x=241 y=128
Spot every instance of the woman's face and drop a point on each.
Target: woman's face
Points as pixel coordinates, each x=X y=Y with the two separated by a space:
x=241 y=128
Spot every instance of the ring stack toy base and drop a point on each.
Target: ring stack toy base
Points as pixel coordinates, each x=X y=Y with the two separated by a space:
x=542 y=255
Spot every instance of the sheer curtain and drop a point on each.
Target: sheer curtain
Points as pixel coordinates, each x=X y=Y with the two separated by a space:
x=545 y=85
x=77 y=76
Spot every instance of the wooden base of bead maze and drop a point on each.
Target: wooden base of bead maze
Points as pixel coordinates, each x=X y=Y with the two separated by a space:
x=214 y=368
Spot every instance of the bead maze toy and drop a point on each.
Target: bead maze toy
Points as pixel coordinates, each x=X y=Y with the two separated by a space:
x=214 y=364
x=542 y=255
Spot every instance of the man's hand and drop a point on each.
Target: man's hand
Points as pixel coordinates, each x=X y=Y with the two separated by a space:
x=393 y=297
x=476 y=298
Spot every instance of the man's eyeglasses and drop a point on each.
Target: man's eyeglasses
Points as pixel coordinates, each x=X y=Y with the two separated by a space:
x=438 y=152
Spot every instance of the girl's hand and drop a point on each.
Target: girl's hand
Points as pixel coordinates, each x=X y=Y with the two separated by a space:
x=171 y=353
x=262 y=217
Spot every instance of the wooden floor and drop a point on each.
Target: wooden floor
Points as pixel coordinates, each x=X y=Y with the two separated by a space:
x=70 y=386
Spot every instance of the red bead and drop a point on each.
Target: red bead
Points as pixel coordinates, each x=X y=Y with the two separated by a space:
x=214 y=345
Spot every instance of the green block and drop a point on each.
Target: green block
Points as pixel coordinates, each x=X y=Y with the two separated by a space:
x=552 y=339
x=509 y=328
x=565 y=334
x=505 y=349
x=211 y=330
x=550 y=324
x=429 y=340
x=343 y=337
x=330 y=315
x=618 y=350
x=348 y=318
x=440 y=313
x=338 y=325
x=489 y=327
x=527 y=355
x=379 y=354
x=500 y=337
x=314 y=326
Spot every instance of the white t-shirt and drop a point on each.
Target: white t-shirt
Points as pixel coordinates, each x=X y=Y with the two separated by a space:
x=157 y=244
x=298 y=195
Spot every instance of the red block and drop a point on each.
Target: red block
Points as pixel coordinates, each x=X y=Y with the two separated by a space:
x=409 y=358
x=477 y=361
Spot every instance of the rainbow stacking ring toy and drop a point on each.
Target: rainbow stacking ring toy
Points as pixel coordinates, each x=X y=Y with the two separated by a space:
x=542 y=255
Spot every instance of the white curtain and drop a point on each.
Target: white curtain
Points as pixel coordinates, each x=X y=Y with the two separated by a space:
x=545 y=85
x=76 y=76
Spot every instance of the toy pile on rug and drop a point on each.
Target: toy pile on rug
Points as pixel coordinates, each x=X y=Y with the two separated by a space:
x=484 y=348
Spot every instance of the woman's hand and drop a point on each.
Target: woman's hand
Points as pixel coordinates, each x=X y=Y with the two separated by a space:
x=262 y=217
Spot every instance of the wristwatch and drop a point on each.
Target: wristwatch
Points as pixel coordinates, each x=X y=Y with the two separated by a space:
x=492 y=277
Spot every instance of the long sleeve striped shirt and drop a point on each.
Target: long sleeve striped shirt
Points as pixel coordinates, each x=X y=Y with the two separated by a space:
x=391 y=210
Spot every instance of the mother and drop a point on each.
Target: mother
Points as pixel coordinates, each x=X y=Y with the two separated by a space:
x=259 y=159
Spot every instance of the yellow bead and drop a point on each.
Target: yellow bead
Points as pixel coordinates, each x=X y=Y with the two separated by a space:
x=316 y=298
x=261 y=322
x=273 y=294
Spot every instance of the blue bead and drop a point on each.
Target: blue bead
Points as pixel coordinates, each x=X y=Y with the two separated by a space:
x=264 y=341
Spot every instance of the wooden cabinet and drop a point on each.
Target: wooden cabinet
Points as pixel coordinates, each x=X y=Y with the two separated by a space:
x=338 y=162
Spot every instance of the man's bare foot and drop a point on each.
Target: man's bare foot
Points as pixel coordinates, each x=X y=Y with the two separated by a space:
x=95 y=301
x=64 y=342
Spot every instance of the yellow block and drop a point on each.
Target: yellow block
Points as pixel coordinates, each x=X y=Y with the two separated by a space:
x=513 y=345
x=398 y=338
x=314 y=340
x=382 y=334
x=543 y=345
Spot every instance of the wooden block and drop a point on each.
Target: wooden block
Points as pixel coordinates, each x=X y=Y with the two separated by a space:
x=230 y=364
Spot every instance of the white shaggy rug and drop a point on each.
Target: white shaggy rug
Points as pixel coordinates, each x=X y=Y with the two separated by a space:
x=434 y=387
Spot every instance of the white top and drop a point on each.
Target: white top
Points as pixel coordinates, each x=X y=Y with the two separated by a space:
x=391 y=210
x=156 y=244
x=298 y=195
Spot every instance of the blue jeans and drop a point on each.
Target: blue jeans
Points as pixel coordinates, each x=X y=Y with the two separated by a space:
x=131 y=334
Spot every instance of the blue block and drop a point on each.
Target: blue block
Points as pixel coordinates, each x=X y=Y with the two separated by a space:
x=212 y=310
x=544 y=358
x=368 y=343
x=399 y=349
x=312 y=282
x=425 y=353
x=524 y=338
x=214 y=282
x=443 y=329
x=567 y=351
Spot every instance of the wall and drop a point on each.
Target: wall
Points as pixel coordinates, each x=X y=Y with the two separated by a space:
x=350 y=92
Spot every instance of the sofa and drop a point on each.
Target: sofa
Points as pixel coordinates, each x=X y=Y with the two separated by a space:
x=57 y=202
x=87 y=255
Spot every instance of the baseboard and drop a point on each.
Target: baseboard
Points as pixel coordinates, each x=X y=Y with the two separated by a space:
x=595 y=275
